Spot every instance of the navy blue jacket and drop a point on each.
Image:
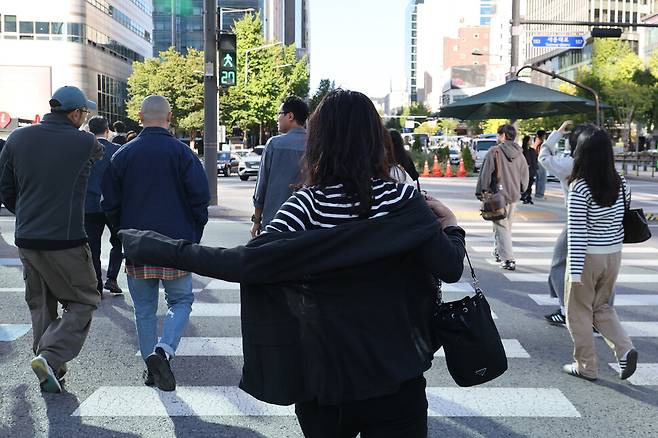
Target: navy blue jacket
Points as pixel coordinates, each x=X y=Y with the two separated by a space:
x=93 y=200
x=155 y=182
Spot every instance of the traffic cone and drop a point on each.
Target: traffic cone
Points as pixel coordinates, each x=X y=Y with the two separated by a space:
x=461 y=172
x=436 y=170
x=426 y=170
x=449 y=173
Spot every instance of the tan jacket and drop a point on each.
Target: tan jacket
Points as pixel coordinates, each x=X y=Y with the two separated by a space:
x=512 y=175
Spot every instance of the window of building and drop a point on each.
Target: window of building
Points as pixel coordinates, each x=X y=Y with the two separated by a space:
x=10 y=23
x=56 y=28
x=413 y=33
x=74 y=32
x=112 y=95
x=26 y=26
x=42 y=27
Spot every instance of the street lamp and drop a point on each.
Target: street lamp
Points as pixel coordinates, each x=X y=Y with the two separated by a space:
x=223 y=11
x=253 y=49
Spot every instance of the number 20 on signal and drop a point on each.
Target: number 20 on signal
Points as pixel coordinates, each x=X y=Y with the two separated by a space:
x=228 y=78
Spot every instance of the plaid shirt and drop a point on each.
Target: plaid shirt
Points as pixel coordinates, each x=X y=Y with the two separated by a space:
x=146 y=272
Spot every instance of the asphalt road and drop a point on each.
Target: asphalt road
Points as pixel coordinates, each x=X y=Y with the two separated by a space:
x=105 y=397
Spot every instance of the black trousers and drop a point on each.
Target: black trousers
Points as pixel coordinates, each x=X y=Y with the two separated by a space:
x=403 y=415
x=95 y=223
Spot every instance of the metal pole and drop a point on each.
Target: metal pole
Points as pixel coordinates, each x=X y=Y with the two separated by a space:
x=210 y=97
x=516 y=30
x=588 y=23
x=173 y=23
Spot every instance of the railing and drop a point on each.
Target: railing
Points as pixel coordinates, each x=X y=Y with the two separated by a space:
x=648 y=161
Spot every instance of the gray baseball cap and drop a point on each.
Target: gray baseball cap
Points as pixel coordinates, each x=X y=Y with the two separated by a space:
x=69 y=98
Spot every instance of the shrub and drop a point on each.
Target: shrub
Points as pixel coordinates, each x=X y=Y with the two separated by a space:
x=467 y=155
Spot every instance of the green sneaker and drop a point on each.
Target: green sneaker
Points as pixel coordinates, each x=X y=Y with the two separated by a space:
x=47 y=378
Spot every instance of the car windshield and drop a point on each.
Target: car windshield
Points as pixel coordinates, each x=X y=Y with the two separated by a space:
x=484 y=145
x=258 y=150
x=224 y=156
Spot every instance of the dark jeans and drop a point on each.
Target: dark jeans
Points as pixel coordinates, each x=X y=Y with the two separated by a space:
x=403 y=414
x=94 y=225
x=527 y=195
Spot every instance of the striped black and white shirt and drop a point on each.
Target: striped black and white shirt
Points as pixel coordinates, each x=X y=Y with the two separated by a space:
x=325 y=207
x=592 y=229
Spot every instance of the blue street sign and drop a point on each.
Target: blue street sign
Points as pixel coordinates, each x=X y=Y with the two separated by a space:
x=562 y=42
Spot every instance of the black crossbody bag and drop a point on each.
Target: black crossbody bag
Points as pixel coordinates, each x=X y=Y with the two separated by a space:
x=636 y=227
x=473 y=349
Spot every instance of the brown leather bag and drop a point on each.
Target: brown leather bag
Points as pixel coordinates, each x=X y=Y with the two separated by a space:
x=493 y=206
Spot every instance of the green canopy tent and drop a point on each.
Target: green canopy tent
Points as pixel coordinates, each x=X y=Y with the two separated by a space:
x=517 y=100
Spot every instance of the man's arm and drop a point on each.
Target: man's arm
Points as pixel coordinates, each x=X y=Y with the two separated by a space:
x=484 y=177
x=198 y=193
x=97 y=151
x=261 y=188
x=7 y=177
x=558 y=166
x=111 y=190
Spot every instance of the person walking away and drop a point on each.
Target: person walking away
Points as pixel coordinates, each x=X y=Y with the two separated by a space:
x=531 y=158
x=95 y=219
x=512 y=171
x=596 y=207
x=279 y=165
x=337 y=318
x=402 y=166
x=540 y=181
x=2 y=145
x=43 y=168
x=120 y=136
x=155 y=182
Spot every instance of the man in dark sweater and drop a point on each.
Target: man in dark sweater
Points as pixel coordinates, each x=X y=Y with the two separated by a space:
x=95 y=219
x=43 y=179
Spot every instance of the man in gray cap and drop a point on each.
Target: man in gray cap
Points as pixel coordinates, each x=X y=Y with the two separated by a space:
x=43 y=179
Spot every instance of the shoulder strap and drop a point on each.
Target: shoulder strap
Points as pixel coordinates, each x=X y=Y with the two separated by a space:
x=623 y=191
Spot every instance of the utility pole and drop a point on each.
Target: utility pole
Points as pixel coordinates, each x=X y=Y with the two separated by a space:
x=516 y=31
x=210 y=96
x=173 y=24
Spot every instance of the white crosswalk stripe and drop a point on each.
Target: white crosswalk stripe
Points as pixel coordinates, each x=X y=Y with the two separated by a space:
x=228 y=401
x=522 y=261
x=549 y=249
x=646 y=374
x=621 y=300
x=543 y=277
x=11 y=332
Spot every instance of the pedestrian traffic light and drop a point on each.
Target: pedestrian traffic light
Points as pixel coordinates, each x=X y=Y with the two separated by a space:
x=227 y=59
x=606 y=32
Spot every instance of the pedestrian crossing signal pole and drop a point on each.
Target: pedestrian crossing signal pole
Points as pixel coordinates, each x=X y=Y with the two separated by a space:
x=210 y=96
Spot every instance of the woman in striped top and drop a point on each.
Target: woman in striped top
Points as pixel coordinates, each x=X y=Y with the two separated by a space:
x=595 y=237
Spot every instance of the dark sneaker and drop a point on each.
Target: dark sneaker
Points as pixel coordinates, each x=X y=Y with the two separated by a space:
x=628 y=364
x=147 y=377
x=572 y=370
x=510 y=265
x=47 y=378
x=61 y=372
x=113 y=287
x=497 y=257
x=556 y=318
x=158 y=365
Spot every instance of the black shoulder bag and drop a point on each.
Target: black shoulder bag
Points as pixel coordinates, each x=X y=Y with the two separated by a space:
x=473 y=349
x=636 y=228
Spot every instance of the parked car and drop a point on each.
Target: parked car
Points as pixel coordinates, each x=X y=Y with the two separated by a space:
x=227 y=163
x=454 y=155
x=250 y=163
x=481 y=146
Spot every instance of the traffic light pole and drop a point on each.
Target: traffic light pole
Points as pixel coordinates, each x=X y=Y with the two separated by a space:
x=210 y=96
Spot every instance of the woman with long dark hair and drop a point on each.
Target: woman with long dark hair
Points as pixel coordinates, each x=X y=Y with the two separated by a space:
x=338 y=293
x=401 y=160
x=531 y=158
x=595 y=238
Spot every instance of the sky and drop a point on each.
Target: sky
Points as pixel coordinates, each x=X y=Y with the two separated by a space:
x=359 y=44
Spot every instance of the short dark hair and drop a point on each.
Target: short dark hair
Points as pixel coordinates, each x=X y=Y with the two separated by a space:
x=541 y=134
x=98 y=125
x=296 y=106
x=508 y=130
x=118 y=126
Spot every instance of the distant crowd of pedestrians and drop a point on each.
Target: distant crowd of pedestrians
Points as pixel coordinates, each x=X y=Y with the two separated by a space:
x=338 y=284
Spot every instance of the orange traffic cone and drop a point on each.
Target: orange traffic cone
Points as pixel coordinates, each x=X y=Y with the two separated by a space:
x=426 y=170
x=449 y=173
x=436 y=170
x=461 y=172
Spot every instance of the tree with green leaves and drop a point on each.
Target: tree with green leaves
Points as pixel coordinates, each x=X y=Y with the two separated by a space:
x=265 y=76
x=416 y=109
x=177 y=77
x=324 y=87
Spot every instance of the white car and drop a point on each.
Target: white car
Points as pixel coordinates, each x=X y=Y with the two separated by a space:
x=454 y=155
x=250 y=163
x=481 y=146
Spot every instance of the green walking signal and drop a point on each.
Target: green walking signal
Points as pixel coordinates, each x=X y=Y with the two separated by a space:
x=227 y=59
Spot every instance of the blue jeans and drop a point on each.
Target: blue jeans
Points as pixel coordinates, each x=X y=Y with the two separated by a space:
x=541 y=182
x=179 y=297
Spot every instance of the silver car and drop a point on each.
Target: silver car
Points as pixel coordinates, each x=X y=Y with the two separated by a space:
x=250 y=163
x=481 y=146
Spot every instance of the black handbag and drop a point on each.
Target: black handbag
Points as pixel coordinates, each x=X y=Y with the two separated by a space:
x=471 y=343
x=636 y=227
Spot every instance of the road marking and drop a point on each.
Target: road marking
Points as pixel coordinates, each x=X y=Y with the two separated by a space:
x=549 y=249
x=515 y=231
x=222 y=285
x=230 y=401
x=547 y=262
x=514 y=239
x=215 y=309
x=646 y=374
x=11 y=332
x=199 y=346
x=620 y=300
x=12 y=289
x=457 y=287
x=640 y=329
x=543 y=277
x=513 y=350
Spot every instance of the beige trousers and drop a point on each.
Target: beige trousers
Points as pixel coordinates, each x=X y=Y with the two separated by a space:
x=64 y=276
x=503 y=234
x=588 y=305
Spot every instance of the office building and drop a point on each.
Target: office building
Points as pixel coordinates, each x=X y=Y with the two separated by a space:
x=90 y=44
